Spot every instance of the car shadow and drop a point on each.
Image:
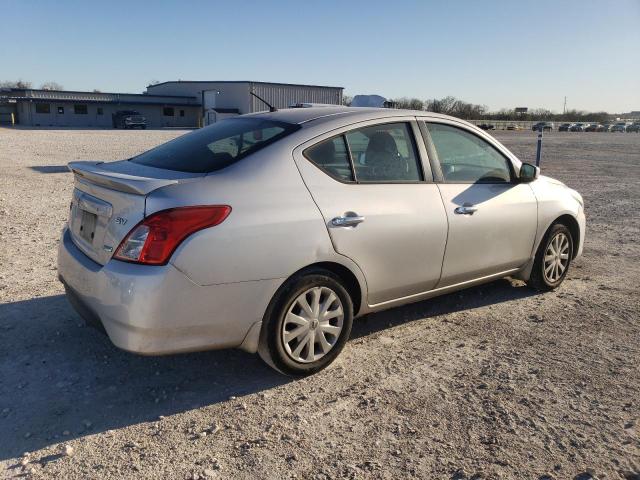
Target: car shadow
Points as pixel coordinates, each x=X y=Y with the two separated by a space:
x=61 y=380
x=50 y=169
x=498 y=291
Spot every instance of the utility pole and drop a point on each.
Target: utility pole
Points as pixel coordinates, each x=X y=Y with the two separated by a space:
x=564 y=109
x=539 y=149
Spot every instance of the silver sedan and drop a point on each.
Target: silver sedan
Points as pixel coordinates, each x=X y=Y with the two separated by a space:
x=270 y=232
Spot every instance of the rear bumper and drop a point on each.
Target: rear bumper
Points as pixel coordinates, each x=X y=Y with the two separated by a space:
x=157 y=309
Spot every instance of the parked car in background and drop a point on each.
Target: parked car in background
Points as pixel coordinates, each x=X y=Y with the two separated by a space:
x=620 y=127
x=634 y=127
x=545 y=126
x=592 y=127
x=128 y=119
x=579 y=127
x=487 y=126
x=513 y=126
x=605 y=127
x=196 y=244
x=565 y=127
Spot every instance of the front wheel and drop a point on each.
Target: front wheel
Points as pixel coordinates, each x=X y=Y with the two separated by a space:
x=553 y=258
x=307 y=324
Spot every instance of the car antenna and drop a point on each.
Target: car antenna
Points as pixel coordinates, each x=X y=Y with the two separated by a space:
x=271 y=107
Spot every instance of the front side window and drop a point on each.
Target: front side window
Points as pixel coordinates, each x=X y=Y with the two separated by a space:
x=216 y=146
x=80 y=109
x=43 y=108
x=384 y=153
x=466 y=158
x=332 y=157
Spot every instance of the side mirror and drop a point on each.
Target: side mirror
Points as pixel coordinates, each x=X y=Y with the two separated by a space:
x=528 y=172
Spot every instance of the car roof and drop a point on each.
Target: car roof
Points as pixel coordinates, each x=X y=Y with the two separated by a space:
x=319 y=115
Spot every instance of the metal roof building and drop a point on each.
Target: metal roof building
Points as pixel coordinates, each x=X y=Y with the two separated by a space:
x=220 y=99
x=168 y=104
x=66 y=108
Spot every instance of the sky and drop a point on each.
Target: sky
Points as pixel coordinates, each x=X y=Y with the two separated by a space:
x=502 y=54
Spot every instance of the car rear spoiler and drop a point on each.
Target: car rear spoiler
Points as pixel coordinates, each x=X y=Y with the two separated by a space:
x=123 y=182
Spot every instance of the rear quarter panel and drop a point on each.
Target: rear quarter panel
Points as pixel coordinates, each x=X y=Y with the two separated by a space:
x=274 y=228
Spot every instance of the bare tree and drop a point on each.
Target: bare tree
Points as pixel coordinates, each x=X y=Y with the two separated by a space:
x=51 y=86
x=470 y=111
x=15 y=84
x=467 y=111
x=346 y=100
x=444 y=105
x=408 y=103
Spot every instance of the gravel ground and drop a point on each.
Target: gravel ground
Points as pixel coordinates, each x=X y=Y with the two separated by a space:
x=493 y=382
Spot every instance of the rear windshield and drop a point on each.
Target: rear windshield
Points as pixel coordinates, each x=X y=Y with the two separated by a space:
x=216 y=146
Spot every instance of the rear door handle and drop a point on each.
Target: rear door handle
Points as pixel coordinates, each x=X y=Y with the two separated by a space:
x=347 y=221
x=465 y=210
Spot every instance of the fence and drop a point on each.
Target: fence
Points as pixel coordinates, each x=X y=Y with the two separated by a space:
x=524 y=125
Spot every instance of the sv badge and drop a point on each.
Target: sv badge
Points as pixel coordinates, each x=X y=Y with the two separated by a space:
x=121 y=221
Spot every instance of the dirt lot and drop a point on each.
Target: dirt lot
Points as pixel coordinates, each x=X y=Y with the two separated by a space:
x=494 y=382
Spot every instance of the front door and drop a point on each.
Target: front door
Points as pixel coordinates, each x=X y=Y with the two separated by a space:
x=370 y=187
x=492 y=217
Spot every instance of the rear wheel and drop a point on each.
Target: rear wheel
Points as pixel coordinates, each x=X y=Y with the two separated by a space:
x=552 y=258
x=307 y=324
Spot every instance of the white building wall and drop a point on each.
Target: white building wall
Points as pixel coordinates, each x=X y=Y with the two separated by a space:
x=236 y=94
x=232 y=94
x=283 y=96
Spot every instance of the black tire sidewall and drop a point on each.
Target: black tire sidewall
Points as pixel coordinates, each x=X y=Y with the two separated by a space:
x=275 y=315
x=541 y=279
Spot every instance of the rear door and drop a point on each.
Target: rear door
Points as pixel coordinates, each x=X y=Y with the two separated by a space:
x=380 y=206
x=492 y=217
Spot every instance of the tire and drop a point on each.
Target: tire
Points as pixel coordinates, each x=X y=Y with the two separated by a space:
x=285 y=315
x=544 y=275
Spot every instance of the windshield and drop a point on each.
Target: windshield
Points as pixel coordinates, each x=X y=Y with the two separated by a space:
x=216 y=146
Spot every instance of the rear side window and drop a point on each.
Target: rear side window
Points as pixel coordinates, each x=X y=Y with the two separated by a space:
x=383 y=153
x=215 y=147
x=332 y=157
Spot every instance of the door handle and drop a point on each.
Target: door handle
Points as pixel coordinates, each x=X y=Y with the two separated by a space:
x=465 y=210
x=347 y=221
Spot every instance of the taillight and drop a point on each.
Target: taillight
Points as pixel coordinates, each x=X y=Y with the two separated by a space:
x=153 y=241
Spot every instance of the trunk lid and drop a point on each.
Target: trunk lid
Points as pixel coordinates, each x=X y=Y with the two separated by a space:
x=109 y=200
